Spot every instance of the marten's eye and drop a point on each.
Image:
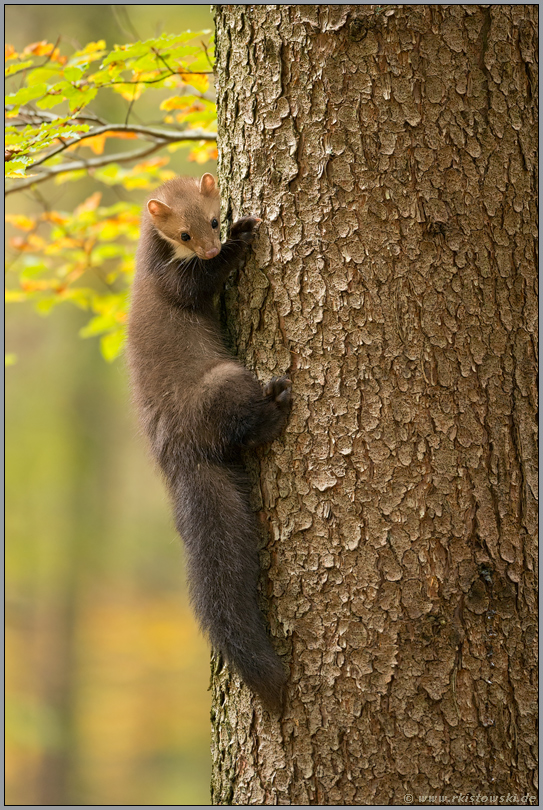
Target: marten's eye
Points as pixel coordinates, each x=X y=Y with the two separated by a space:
x=214 y=223
x=185 y=237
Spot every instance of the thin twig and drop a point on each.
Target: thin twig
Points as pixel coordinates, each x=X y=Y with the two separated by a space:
x=46 y=117
x=165 y=136
x=161 y=78
x=103 y=160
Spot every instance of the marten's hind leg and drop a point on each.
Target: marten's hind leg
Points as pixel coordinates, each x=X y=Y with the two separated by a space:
x=231 y=409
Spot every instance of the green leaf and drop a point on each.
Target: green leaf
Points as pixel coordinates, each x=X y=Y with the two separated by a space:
x=98 y=325
x=33 y=268
x=109 y=174
x=80 y=296
x=201 y=63
x=108 y=251
x=79 y=97
x=17 y=166
x=69 y=176
x=122 y=53
x=184 y=52
x=43 y=75
x=33 y=139
x=50 y=100
x=17 y=67
x=45 y=305
x=26 y=94
x=73 y=74
x=111 y=345
x=90 y=53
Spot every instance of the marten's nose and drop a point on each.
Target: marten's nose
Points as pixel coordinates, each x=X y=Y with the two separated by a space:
x=210 y=254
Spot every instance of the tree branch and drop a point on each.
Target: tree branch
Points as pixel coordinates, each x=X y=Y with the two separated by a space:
x=28 y=116
x=103 y=160
x=165 y=136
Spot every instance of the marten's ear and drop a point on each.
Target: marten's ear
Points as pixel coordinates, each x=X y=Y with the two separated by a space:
x=207 y=184
x=158 y=209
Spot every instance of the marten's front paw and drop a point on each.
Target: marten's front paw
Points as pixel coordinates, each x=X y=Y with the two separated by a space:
x=279 y=389
x=245 y=228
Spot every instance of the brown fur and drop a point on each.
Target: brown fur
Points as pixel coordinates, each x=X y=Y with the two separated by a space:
x=200 y=408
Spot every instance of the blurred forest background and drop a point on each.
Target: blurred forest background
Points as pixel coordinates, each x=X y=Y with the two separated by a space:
x=106 y=673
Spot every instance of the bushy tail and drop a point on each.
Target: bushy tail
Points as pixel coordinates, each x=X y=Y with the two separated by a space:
x=219 y=531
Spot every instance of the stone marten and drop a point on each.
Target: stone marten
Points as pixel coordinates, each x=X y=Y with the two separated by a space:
x=200 y=409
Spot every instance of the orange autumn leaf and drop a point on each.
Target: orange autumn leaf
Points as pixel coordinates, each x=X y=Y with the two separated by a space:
x=39 y=286
x=9 y=52
x=90 y=204
x=30 y=243
x=98 y=142
x=21 y=222
x=54 y=217
x=155 y=163
x=45 y=48
x=56 y=57
x=42 y=48
x=124 y=135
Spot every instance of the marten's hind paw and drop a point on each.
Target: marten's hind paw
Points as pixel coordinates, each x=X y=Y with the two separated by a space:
x=279 y=389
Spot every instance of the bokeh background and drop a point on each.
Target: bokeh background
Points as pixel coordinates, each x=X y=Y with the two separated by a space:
x=107 y=676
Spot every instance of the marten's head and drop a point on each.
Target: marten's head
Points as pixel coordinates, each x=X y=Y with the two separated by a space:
x=186 y=213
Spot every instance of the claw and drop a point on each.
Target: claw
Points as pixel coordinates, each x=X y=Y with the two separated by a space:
x=280 y=390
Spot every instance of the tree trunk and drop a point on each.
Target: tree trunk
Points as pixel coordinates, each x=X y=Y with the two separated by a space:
x=390 y=151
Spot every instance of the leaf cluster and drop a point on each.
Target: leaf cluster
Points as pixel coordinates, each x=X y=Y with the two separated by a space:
x=85 y=258
x=178 y=63
x=55 y=131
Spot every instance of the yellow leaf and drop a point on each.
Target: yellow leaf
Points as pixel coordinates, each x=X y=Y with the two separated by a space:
x=188 y=105
x=200 y=83
x=54 y=217
x=166 y=175
x=10 y=52
x=21 y=222
x=203 y=152
x=14 y=296
x=90 y=204
x=96 y=143
x=130 y=91
x=60 y=244
x=92 y=47
x=155 y=163
x=173 y=103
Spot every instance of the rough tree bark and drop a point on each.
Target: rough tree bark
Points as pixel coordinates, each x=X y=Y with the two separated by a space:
x=390 y=151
